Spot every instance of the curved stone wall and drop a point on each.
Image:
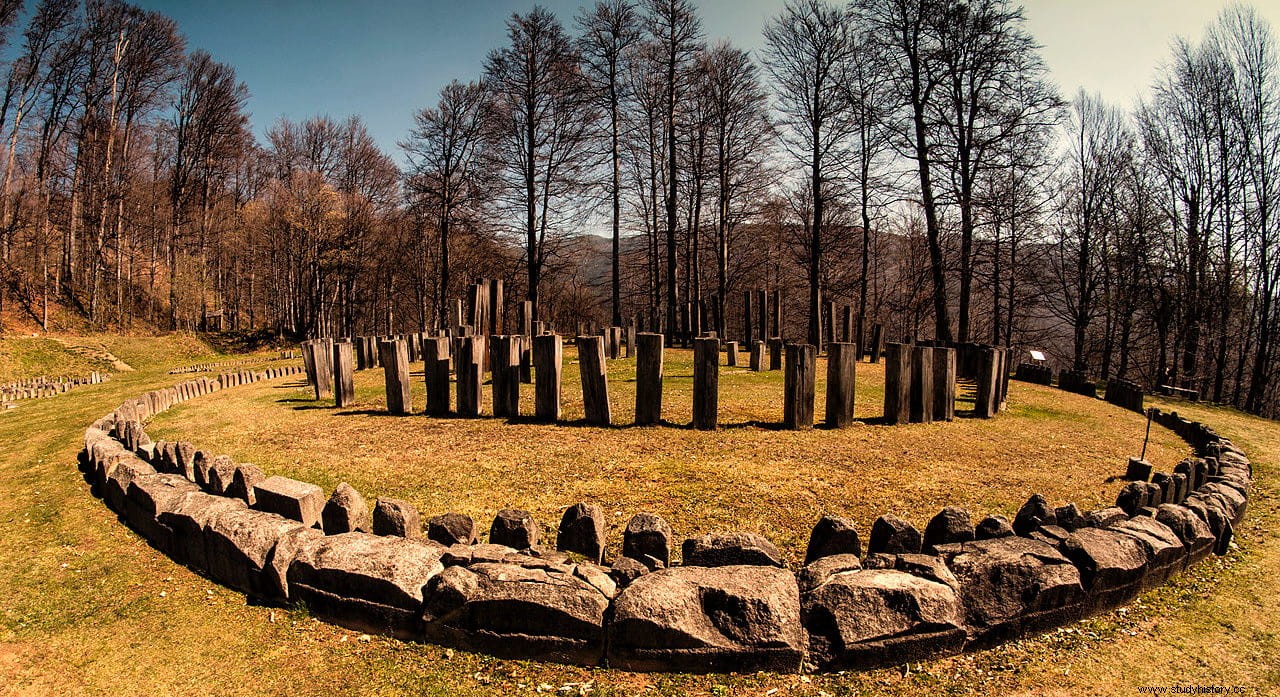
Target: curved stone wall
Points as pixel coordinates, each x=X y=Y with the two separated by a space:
x=731 y=605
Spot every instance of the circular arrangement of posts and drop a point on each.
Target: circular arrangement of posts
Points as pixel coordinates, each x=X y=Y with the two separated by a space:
x=730 y=605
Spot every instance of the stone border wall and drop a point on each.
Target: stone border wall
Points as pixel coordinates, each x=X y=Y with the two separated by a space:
x=46 y=386
x=731 y=605
x=215 y=366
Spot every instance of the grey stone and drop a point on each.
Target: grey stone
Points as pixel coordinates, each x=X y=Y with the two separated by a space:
x=582 y=531
x=647 y=535
x=730 y=549
x=396 y=517
x=290 y=498
x=452 y=528
x=624 y=570
x=892 y=535
x=246 y=477
x=991 y=527
x=239 y=545
x=1033 y=514
x=832 y=535
x=514 y=528
x=952 y=524
x=346 y=511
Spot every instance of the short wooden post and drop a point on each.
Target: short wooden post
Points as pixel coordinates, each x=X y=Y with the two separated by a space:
x=526 y=358
x=497 y=323
x=798 y=384
x=897 y=383
x=842 y=365
x=848 y=325
x=504 y=362
x=757 y=355
x=748 y=319
x=775 y=353
x=648 y=378
x=985 y=404
x=631 y=339
x=922 y=396
x=435 y=358
x=731 y=353
x=548 y=360
x=706 y=383
x=829 y=326
x=469 y=367
x=344 y=388
x=394 y=356
x=877 y=342
x=615 y=343
x=324 y=368
x=595 y=387
x=944 y=384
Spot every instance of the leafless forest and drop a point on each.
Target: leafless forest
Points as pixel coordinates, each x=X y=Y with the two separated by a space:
x=912 y=159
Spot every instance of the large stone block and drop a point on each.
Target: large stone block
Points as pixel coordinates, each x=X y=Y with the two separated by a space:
x=951 y=525
x=290 y=498
x=1190 y=528
x=1166 y=554
x=730 y=549
x=582 y=530
x=148 y=496
x=1012 y=585
x=514 y=528
x=876 y=617
x=346 y=511
x=365 y=582
x=1112 y=565
x=893 y=535
x=396 y=517
x=239 y=545
x=451 y=529
x=647 y=536
x=188 y=519
x=517 y=612
x=708 y=619
x=832 y=535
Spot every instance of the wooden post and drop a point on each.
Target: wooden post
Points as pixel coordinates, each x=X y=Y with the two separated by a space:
x=504 y=361
x=988 y=390
x=798 y=384
x=394 y=356
x=526 y=317
x=748 y=326
x=779 y=329
x=497 y=325
x=435 y=358
x=706 y=383
x=469 y=367
x=595 y=386
x=731 y=353
x=757 y=355
x=615 y=343
x=526 y=358
x=897 y=383
x=548 y=360
x=848 y=325
x=344 y=388
x=631 y=339
x=322 y=360
x=358 y=346
x=829 y=323
x=775 y=353
x=944 y=384
x=877 y=342
x=762 y=314
x=842 y=365
x=922 y=394
x=648 y=378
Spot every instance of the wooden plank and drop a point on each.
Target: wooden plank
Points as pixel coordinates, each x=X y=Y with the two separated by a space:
x=798 y=384
x=842 y=365
x=706 y=383
x=648 y=378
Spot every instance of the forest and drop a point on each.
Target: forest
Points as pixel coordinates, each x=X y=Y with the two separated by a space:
x=911 y=159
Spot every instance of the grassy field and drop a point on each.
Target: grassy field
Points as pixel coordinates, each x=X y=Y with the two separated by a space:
x=90 y=609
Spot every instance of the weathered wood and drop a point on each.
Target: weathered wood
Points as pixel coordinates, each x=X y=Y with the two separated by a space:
x=748 y=319
x=526 y=358
x=614 y=339
x=756 y=360
x=595 y=387
x=648 y=378
x=842 y=366
x=775 y=353
x=849 y=325
x=394 y=356
x=985 y=403
x=922 y=395
x=798 y=386
x=762 y=314
x=897 y=383
x=526 y=317
x=631 y=340
x=731 y=353
x=828 y=320
x=548 y=361
x=497 y=323
x=469 y=367
x=944 y=384
x=504 y=362
x=706 y=383
x=435 y=359
x=344 y=387
x=455 y=312
x=322 y=360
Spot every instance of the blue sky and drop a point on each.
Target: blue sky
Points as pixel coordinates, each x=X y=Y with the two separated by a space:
x=385 y=59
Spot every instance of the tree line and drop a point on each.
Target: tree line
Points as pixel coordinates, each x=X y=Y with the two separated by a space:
x=911 y=159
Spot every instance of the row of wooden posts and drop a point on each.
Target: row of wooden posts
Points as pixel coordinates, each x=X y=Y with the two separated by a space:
x=920 y=380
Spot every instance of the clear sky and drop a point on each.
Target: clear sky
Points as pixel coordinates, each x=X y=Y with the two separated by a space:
x=383 y=59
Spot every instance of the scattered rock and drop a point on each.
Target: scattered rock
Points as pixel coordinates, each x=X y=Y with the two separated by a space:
x=396 y=517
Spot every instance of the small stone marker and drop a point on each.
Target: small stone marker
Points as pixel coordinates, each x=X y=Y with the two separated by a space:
x=842 y=365
x=832 y=535
x=798 y=383
x=892 y=535
x=452 y=529
x=756 y=361
x=731 y=353
x=776 y=346
x=394 y=357
x=344 y=389
x=595 y=389
x=548 y=362
x=582 y=530
x=706 y=383
x=469 y=367
x=290 y=498
x=647 y=539
x=396 y=517
x=514 y=528
x=346 y=511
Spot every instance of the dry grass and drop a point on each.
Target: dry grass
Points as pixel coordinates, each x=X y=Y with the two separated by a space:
x=748 y=475
x=83 y=611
